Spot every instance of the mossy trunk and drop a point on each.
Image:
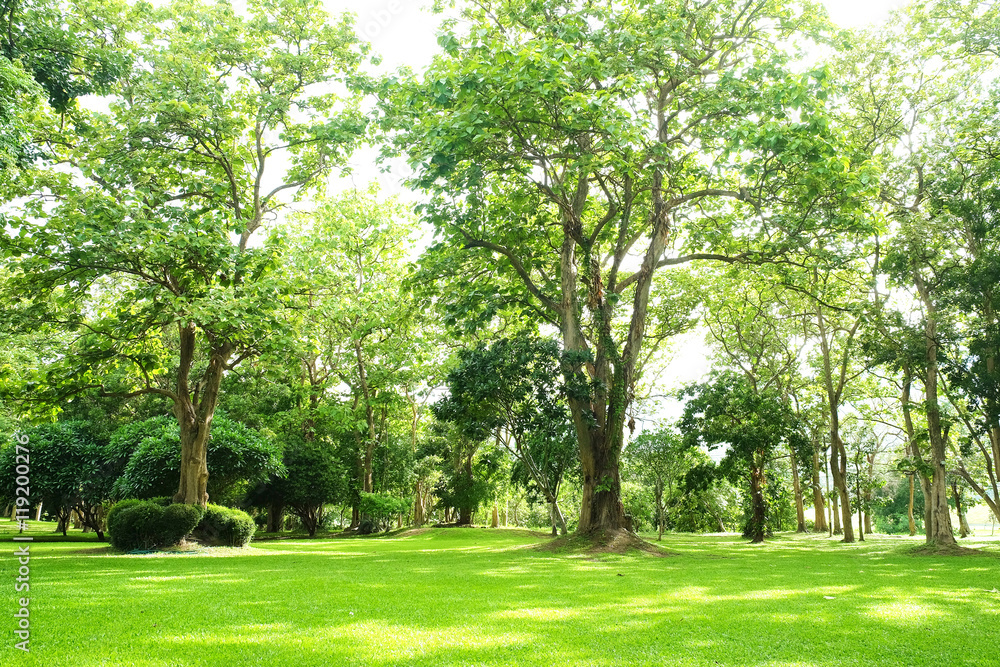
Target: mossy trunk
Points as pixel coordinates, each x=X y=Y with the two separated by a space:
x=938 y=529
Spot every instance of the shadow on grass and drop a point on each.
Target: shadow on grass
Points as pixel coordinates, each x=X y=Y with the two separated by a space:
x=472 y=598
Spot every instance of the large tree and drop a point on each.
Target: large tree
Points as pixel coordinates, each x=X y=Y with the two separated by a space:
x=144 y=237
x=573 y=150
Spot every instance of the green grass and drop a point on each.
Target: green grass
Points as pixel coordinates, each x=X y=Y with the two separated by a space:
x=486 y=597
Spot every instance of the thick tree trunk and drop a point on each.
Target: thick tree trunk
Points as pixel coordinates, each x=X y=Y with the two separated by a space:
x=194 y=408
x=418 y=505
x=601 y=507
x=193 y=488
x=938 y=529
x=464 y=516
x=274 y=513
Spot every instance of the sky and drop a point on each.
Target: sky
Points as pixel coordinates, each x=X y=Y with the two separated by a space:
x=403 y=31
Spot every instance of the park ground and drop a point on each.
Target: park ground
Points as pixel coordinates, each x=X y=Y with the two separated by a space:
x=474 y=596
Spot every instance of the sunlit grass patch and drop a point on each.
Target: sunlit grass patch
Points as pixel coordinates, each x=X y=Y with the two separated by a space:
x=485 y=597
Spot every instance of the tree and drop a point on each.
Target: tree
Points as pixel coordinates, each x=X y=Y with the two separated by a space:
x=313 y=477
x=510 y=389
x=59 y=51
x=754 y=425
x=572 y=150
x=69 y=473
x=240 y=456
x=357 y=323
x=143 y=240
x=661 y=457
x=469 y=468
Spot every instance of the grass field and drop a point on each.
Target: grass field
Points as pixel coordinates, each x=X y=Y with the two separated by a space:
x=489 y=597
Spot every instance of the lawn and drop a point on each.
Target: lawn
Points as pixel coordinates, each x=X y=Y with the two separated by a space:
x=489 y=597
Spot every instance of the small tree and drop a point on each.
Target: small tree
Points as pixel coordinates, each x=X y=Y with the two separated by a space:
x=660 y=458
x=313 y=477
x=510 y=389
x=755 y=426
x=68 y=473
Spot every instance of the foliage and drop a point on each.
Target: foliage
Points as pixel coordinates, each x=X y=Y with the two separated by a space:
x=240 y=456
x=382 y=510
x=224 y=526
x=570 y=151
x=69 y=471
x=138 y=237
x=313 y=476
x=755 y=425
x=148 y=525
x=510 y=390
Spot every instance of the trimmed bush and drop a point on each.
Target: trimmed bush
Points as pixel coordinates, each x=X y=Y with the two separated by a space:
x=222 y=526
x=117 y=509
x=178 y=520
x=137 y=524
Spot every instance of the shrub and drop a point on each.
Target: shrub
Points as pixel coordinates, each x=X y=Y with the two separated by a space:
x=381 y=509
x=117 y=509
x=139 y=524
x=177 y=521
x=222 y=526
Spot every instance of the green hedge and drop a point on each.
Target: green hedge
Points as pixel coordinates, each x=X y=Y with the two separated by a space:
x=222 y=526
x=138 y=524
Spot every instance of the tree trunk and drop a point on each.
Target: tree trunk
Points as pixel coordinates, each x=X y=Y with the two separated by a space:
x=861 y=514
x=834 y=393
x=194 y=409
x=838 y=467
x=757 y=527
x=418 y=505
x=835 y=511
x=963 y=523
x=819 y=507
x=660 y=518
x=909 y=509
x=495 y=519
x=938 y=529
x=800 y=508
x=274 y=512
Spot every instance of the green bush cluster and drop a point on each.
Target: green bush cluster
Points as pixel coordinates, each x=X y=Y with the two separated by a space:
x=222 y=526
x=380 y=510
x=143 y=524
